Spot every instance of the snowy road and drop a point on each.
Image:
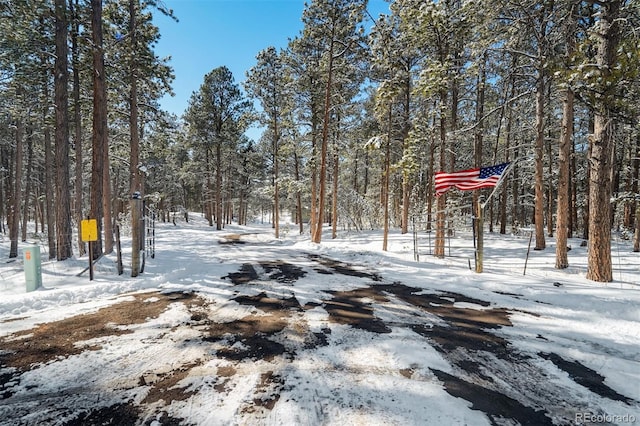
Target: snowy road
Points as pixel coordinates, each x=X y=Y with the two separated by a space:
x=241 y=329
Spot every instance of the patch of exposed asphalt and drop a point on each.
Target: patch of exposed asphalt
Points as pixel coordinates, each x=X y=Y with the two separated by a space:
x=464 y=327
x=342 y=268
x=119 y=414
x=246 y=274
x=585 y=376
x=464 y=335
x=495 y=404
x=269 y=304
x=281 y=272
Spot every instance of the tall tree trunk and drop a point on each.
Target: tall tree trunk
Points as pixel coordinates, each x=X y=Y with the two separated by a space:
x=507 y=137
x=430 y=183
x=573 y=193
x=28 y=188
x=134 y=152
x=317 y=237
x=16 y=201
x=587 y=201
x=77 y=120
x=48 y=176
x=276 y=186
x=406 y=126
x=313 y=219
x=39 y=207
x=441 y=203
x=334 y=195
x=632 y=182
x=636 y=235
x=563 y=212
x=107 y=203
x=218 y=183
x=296 y=160
x=539 y=161
x=61 y=78
x=433 y=145
x=599 y=257
x=479 y=142
x=385 y=180
x=564 y=154
x=3 y=164
x=635 y=186
x=515 y=189
x=99 y=136
x=550 y=194
x=208 y=190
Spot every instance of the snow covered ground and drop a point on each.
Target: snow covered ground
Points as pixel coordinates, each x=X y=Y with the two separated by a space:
x=235 y=327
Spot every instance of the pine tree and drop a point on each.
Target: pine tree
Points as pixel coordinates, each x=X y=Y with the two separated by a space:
x=333 y=29
x=269 y=83
x=437 y=27
x=395 y=58
x=214 y=114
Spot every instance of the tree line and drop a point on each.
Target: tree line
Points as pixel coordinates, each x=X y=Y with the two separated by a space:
x=358 y=113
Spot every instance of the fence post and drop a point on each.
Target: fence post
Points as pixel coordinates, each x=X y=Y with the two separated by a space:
x=136 y=204
x=480 y=233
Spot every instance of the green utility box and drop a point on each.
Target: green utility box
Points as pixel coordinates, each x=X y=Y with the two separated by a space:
x=32 y=267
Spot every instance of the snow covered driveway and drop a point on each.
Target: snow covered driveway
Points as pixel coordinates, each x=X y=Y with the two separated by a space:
x=240 y=329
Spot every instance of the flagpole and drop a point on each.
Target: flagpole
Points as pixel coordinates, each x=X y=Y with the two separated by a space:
x=473 y=229
x=480 y=221
x=480 y=233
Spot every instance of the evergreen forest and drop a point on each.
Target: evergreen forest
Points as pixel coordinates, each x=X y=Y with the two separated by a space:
x=357 y=113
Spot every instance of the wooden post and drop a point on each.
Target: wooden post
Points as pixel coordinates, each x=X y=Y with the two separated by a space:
x=474 y=231
x=524 y=272
x=119 y=251
x=90 y=260
x=480 y=234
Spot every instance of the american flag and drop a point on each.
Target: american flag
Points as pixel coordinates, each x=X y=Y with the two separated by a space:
x=466 y=180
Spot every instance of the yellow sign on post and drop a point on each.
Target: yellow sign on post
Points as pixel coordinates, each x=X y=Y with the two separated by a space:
x=89 y=230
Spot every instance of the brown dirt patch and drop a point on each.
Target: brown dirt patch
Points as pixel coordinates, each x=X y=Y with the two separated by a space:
x=355 y=309
x=60 y=339
x=268 y=390
x=165 y=387
x=342 y=268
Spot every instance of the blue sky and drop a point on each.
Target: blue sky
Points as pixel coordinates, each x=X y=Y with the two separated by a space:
x=213 y=33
